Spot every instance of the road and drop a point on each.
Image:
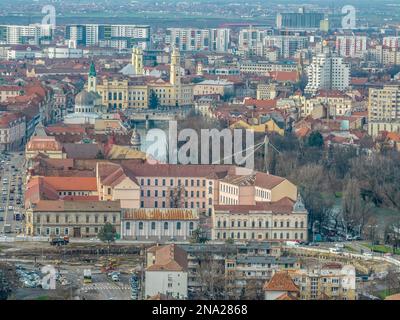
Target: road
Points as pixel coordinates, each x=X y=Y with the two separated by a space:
x=12 y=176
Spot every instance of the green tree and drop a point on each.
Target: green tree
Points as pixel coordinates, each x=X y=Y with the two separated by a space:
x=154 y=103
x=315 y=139
x=5 y=288
x=198 y=236
x=107 y=234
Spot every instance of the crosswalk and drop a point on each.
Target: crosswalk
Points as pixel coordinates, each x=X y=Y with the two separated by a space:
x=105 y=286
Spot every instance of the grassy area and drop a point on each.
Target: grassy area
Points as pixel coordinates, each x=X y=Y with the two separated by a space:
x=381 y=248
x=351 y=249
x=385 y=292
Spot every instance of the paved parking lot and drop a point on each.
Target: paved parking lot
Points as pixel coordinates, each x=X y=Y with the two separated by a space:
x=12 y=182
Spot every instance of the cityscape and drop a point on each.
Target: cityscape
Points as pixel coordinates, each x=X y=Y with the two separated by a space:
x=200 y=150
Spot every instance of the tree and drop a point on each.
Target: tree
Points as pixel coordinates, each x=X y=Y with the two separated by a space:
x=5 y=288
x=100 y=155
x=355 y=212
x=107 y=234
x=315 y=139
x=253 y=290
x=198 y=236
x=154 y=102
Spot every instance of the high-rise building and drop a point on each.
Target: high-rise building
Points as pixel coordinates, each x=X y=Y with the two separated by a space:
x=189 y=39
x=352 y=46
x=391 y=42
x=251 y=41
x=299 y=20
x=114 y=36
x=287 y=45
x=327 y=71
x=384 y=109
x=33 y=34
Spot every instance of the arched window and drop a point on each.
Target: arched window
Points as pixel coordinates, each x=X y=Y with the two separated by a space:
x=140 y=225
x=165 y=225
x=301 y=224
x=295 y=235
x=267 y=224
x=191 y=226
x=178 y=225
x=296 y=224
x=153 y=226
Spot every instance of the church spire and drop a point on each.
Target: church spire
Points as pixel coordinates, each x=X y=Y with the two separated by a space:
x=92 y=78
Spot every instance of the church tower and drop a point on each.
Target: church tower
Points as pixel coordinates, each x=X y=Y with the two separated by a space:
x=175 y=69
x=92 y=78
x=137 y=60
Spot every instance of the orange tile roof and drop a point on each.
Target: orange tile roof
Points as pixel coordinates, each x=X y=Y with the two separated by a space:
x=169 y=258
x=161 y=214
x=72 y=183
x=394 y=136
x=281 y=281
x=43 y=144
x=284 y=205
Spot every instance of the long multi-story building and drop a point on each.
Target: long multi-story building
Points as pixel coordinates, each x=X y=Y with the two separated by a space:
x=114 y=36
x=33 y=34
x=327 y=71
x=280 y=220
x=264 y=67
x=299 y=20
x=384 y=109
x=189 y=39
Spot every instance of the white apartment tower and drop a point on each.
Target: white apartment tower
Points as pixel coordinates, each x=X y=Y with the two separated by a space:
x=327 y=71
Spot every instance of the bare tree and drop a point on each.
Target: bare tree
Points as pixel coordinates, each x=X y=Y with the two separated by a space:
x=355 y=211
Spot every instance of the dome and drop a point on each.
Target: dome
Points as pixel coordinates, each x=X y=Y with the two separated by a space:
x=84 y=98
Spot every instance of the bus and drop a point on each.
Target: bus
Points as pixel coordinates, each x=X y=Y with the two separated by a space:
x=87 y=276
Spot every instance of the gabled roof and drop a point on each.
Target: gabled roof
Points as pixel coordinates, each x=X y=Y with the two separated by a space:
x=169 y=258
x=281 y=281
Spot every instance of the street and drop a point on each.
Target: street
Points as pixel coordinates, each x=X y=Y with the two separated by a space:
x=12 y=176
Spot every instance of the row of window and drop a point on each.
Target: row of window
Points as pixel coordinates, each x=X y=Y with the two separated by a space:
x=171 y=193
x=260 y=224
x=173 y=205
x=165 y=226
x=229 y=189
x=77 y=219
x=58 y=231
x=243 y=235
x=156 y=181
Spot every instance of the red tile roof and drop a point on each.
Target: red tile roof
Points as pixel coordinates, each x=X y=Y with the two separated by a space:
x=281 y=281
x=169 y=258
x=284 y=205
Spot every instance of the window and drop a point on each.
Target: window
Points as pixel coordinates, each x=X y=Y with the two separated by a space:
x=153 y=226
x=87 y=219
x=178 y=226
x=105 y=219
x=128 y=226
x=165 y=225
x=140 y=225
x=191 y=225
